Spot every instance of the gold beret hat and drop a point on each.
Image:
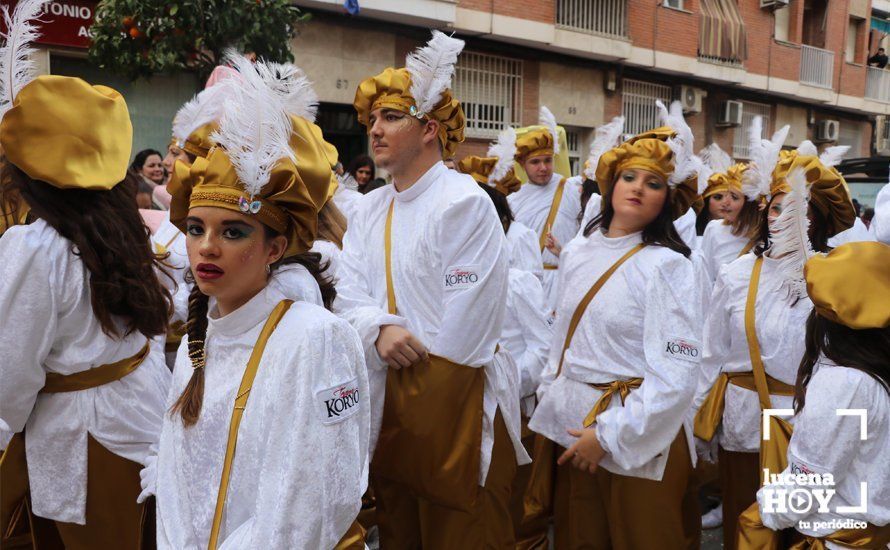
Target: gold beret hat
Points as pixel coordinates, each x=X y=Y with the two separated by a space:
x=480 y=169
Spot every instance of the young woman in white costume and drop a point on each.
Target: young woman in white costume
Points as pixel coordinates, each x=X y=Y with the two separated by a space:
x=284 y=379
x=82 y=389
x=624 y=359
x=756 y=319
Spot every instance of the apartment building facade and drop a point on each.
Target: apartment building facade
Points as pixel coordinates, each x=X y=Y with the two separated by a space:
x=796 y=62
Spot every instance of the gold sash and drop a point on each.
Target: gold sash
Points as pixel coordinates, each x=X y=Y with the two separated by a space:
x=551 y=216
x=539 y=492
x=93 y=378
x=751 y=243
x=622 y=387
x=238 y=411
x=753 y=535
x=431 y=433
x=710 y=415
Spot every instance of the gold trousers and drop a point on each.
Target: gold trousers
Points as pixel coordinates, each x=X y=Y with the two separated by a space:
x=739 y=483
x=530 y=534
x=408 y=522
x=605 y=511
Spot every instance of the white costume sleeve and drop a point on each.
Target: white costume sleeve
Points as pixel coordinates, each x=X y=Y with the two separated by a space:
x=653 y=414
x=309 y=499
x=527 y=253
x=560 y=329
x=880 y=224
x=528 y=300
x=471 y=237
x=27 y=325
x=715 y=339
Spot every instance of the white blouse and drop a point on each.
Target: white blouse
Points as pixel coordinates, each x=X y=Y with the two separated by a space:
x=635 y=327
x=449 y=271
x=48 y=325
x=300 y=466
x=825 y=442
x=780 y=326
x=523 y=250
x=719 y=247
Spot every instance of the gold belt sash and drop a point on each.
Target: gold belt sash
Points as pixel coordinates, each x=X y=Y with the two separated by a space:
x=754 y=535
x=539 y=492
x=548 y=267
x=93 y=378
x=551 y=216
x=431 y=433
x=247 y=379
x=710 y=415
x=622 y=387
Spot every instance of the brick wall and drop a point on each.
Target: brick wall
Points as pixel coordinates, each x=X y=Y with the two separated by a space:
x=531 y=92
x=543 y=11
x=760 y=26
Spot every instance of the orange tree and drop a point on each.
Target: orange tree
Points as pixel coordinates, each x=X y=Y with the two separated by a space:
x=140 y=38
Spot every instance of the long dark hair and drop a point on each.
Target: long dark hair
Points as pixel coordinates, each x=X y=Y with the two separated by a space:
x=818 y=231
x=660 y=231
x=108 y=235
x=589 y=188
x=703 y=218
x=141 y=157
x=358 y=162
x=505 y=214
x=188 y=404
x=867 y=350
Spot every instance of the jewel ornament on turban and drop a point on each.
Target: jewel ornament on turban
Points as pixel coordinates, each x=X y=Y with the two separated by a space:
x=542 y=140
x=57 y=129
x=421 y=89
x=666 y=152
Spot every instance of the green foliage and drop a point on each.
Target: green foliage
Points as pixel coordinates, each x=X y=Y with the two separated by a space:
x=140 y=38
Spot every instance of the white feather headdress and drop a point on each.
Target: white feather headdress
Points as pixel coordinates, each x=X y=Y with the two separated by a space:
x=686 y=163
x=293 y=86
x=833 y=156
x=17 y=67
x=254 y=128
x=714 y=161
x=807 y=148
x=546 y=119
x=763 y=157
x=206 y=107
x=431 y=68
x=606 y=137
x=789 y=235
x=504 y=149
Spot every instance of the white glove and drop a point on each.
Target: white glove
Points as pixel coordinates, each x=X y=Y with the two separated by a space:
x=148 y=478
x=707 y=450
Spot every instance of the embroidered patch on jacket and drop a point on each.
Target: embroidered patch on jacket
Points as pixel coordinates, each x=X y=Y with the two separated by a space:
x=337 y=403
x=682 y=348
x=461 y=277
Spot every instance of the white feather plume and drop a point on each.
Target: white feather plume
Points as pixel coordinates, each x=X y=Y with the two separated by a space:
x=504 y=149
x=605 y=138
x=206 y=107
x=293 y=86
x=714 y=161
x=808 y=148
x=686 y=163
x=16 y=65
x=431 y=68
x=789 y=235
x=833 y=156
x=763 y=157
x=254 y=129
x=546 y=119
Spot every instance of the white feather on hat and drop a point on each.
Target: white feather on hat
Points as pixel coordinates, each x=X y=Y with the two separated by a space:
x=17 y=67
x=546 y=119
x=605 y=138
x=431 y=68
x=789 y=235
x=686 y=163
x=504 y=149
x=714 y=161
x=763 y=157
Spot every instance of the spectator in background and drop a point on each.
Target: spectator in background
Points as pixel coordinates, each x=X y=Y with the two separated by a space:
x=149 y=164
x=376 y=183
x=362 y=170
x=867 y=216
x=879 y=59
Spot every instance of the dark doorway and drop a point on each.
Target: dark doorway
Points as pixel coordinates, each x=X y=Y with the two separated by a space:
x=342 y=130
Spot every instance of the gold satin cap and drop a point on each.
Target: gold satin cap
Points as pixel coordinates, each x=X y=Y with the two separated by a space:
x=289 y=202
x=391 y=90
x=723 y=182
x=534 y=143
x=69 y=134
x=851 y=284
x=480 y=169
x=828 y=190
x=199 y=143
x=648 y=151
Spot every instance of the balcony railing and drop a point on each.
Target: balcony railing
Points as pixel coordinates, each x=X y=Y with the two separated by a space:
x=605 y=17
x=816 y=66
x=877 y=84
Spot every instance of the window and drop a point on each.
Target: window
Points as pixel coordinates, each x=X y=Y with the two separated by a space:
x=608 y=17
x=851 y=134
x=490 y=89
x=783 y=24
x=740 y=149
x=638 y=105
x=676 y=4
x=573 y=140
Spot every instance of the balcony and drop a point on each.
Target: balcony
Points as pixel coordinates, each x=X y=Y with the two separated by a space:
x=601 y=17
x=877 y=84
x=816 y=66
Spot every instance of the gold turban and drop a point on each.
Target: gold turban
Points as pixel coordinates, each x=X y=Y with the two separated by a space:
x=199 y=143
x=851 y=284
x=828 y=190
x=536 y=142
x=480 y=169
x=391 y=90
x=289 y=202
x=69 y=134
x=648 y=151
x=723 y=182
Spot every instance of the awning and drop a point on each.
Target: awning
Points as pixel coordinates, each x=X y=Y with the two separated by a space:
x=722 y=33
x=880 y=25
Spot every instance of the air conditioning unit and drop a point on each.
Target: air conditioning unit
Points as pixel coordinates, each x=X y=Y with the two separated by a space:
x=827 y=130
x=730 y=114
x=690 y=97
x=773 y=4
x=882 y=135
